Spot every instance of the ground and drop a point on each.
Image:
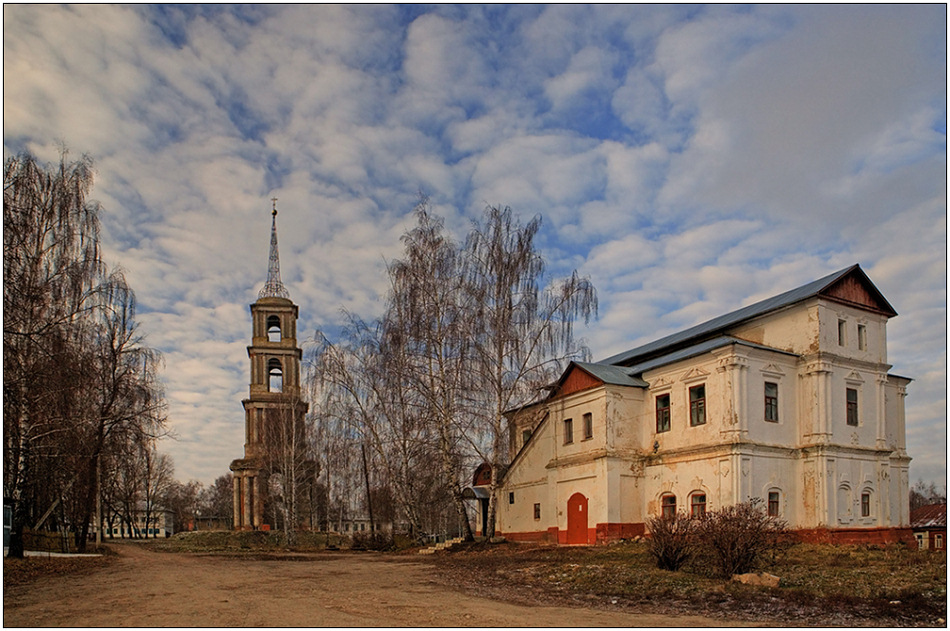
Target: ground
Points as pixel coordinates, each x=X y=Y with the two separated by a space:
x=144 y=587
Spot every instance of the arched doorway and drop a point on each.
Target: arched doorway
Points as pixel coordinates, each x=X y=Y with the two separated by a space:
x=577 y=519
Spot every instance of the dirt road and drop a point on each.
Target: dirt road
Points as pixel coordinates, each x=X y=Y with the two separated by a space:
x=154 y=589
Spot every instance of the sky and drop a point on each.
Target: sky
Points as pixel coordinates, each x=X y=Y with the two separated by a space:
x=689 y=159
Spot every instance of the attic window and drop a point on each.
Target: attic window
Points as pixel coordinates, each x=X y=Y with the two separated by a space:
x=568 y=431
x=697 y=405
x=663 y=413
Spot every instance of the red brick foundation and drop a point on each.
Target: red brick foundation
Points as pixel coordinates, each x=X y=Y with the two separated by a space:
x=607 y=533
x=870 y=536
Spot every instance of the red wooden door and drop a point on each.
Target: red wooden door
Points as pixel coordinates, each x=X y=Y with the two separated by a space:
x=577 y=519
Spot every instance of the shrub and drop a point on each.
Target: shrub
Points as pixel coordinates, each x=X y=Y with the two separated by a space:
x=371 y=541
x=671 y=540
x=739 y=536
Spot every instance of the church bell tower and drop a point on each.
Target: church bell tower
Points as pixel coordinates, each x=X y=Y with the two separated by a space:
x=274 y=398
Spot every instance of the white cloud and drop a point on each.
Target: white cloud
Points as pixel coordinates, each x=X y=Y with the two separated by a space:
x=689 y=159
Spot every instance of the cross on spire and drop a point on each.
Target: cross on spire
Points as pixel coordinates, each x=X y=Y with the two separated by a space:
x=273 y=288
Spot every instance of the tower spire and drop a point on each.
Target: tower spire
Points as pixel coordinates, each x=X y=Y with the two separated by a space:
x=273 y=288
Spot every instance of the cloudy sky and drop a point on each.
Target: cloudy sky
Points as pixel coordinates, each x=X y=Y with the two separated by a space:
x=690 y=160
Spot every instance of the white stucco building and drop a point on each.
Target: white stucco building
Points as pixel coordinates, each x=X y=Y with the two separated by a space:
x=789 y=400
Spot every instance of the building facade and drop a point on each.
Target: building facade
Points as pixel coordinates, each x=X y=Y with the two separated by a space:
x=788 y=400
x=274 y=400
x=929 y=524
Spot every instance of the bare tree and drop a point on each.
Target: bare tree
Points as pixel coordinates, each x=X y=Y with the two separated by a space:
x=76 y=376
x=51 y=267
x=183 y=500
x=922 y=494
x=216 y=501
x=429 y=315
x=288 y=457
x=522 y=333
x=362 y=394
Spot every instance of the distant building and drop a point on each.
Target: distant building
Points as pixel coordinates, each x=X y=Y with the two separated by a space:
x=789 y=400
x=929 y=524
x=161 y=523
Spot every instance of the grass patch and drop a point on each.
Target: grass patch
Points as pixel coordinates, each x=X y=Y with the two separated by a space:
x=837 y=585
x=24 y=571
x=226 y=541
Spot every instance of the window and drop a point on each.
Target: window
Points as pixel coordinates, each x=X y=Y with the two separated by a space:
x=668 y=506
x=771 y=402
x=537 y=511
x=273 y=329
x=842 y=332
x=862 y=337
x=938 y=542
x=920 y=539
x=568 y=431
x=697 y=505
x=663 y=413
x=697 y=405
x=525 y=436
x=773 y=504
x=865 y=505
x=852 y=397
x=275 y=376
x=511 y=497
x=588 y=426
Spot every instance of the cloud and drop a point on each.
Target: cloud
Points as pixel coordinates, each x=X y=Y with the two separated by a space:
x=690 y=159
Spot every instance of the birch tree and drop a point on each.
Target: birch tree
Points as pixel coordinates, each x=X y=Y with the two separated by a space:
x=76 y=373
x=522 y=332
x=427 y=309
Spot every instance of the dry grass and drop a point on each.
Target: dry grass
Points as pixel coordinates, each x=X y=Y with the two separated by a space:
x=822 y=585
x=238 y=542
x=831 y=585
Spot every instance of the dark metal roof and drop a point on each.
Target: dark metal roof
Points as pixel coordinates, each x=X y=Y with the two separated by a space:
x=697 y=349
x=932 y=516
x=718 y=325
x=613 y=375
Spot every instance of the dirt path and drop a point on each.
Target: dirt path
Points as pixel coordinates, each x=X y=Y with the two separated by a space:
x=146 y=588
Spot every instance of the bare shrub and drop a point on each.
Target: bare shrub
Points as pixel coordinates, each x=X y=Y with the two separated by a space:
x=672 y=541
x=740 y=536
x=377 y=541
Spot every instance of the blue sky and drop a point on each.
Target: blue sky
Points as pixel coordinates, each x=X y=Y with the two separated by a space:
x=689 y=159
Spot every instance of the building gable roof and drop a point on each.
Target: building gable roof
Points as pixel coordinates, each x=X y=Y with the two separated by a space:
x=932 y=516
x=850 y=286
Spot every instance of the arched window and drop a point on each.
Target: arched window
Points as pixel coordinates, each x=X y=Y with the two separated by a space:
x=866 y=503
x=275 y=375
x=668 y=506
x=697 y=505
x=775 y=503
x=273 y=329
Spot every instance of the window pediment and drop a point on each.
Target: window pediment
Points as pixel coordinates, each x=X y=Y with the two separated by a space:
x=694 y=374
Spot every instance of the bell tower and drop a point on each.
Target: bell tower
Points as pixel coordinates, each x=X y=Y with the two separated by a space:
x=274 y=395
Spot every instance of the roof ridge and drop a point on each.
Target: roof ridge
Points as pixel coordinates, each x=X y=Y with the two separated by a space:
x=717 y=324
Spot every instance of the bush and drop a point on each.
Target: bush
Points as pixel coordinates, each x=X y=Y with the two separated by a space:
x=372 y=541
x=671 y=540
x=740 y=536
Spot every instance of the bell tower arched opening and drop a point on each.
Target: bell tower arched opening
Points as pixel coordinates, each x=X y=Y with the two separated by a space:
x=273 y=328
x=275 y=375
